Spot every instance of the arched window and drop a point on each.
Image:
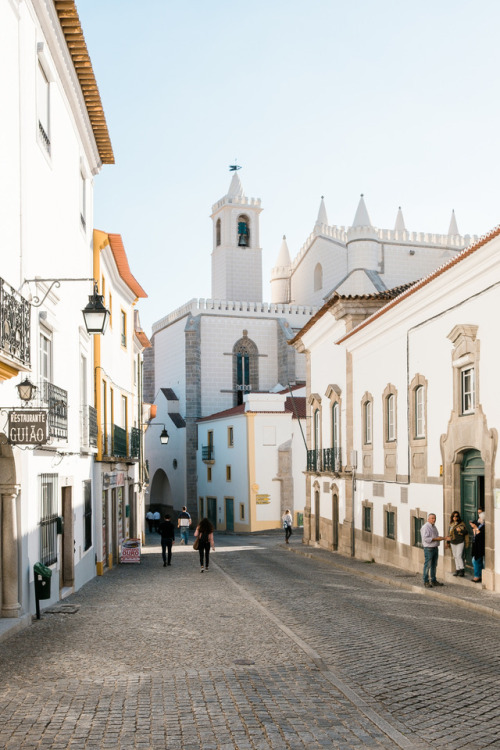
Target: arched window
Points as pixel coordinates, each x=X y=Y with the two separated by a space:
x=243 y=231
x=419 y=412
x=245 y=368
x=367 y=422
x=391 y=417
x=318 y=277
x=217 y=232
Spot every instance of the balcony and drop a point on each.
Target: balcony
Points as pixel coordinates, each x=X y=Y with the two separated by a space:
x=314 y=460
x=207 y=454
x=56 y=399
x=115 y=444
x=332 y=459
x=15 y=327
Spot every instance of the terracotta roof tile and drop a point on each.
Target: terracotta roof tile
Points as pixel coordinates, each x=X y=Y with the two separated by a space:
x=120 y=256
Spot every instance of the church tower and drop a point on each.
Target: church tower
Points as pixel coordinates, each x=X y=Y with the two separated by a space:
x=236 y=255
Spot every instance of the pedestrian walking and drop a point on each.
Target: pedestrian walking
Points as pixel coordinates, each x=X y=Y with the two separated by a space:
x=430 y=541
x=167 y=531
x=459 y=541
x=478 y=547
x=156 y=519
x=183 y=523
x=205 y=534
x=150 y=520
x=287 y=525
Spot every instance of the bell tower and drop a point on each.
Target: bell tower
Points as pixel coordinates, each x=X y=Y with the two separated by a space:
x=236 y=254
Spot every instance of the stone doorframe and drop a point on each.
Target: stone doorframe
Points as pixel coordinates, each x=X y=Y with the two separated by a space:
x=469 y=432
x=9 y=569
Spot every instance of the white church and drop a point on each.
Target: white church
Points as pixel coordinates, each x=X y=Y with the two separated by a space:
x=209 y=354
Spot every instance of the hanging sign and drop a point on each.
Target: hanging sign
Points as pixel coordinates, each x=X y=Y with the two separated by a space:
x=28 y=427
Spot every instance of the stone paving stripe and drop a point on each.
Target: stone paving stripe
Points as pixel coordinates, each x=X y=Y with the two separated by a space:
x=406 y=743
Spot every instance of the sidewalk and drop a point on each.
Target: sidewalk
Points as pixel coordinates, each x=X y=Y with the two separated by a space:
x=461 y=591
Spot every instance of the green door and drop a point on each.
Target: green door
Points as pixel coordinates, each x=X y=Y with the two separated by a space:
x=229 y=514
x=471 y=493
x=212 y=511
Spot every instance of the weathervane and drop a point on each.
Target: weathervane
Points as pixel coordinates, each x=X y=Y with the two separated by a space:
x=234 y=167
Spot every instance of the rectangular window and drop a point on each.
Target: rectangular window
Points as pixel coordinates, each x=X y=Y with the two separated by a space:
x=419 y=412
x=367 y=518
x=230 y=437
x=228 y=473
x=335 y=427
x=43 y=107
x=124 y=328
x=242 y=511
x=45 y=357
x=87 y=514
x=468 y=390
x=389 y=524
x=209 y=473
x=48 y=518
x=368 y=422
x=104 y=409
x=124 y=413
x=417 y=526
x=391 y=426
x=84 y=410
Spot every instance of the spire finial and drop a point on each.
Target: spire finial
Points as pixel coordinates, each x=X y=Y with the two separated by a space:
x=234 y=167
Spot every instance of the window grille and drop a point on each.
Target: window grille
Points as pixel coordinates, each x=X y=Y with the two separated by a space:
x=417 y=526
x=367 y=518
x=390 y=524
x=48 y=518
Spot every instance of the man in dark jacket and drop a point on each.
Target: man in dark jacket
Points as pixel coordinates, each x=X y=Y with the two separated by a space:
x=167 y=531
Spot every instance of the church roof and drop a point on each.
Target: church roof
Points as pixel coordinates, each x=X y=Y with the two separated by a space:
x=399 y=226
x=283 y=255
x=453 y=229
x=235 y=188
x=361 y=218
x=322 y=217
x=412 y=288
x=386 y=294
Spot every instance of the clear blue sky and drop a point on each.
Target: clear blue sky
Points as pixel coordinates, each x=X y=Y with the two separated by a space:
x=394 y=99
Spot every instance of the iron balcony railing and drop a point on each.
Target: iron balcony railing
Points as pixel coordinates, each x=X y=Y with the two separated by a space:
x=114 y=443
x=332 y=459
x=207 y=453
x=92 y=427
x=314 y=460
x=57 y=401
x=15 y=324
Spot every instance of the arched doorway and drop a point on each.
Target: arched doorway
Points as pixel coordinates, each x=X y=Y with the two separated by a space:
x=160 y=493
x=471 y=491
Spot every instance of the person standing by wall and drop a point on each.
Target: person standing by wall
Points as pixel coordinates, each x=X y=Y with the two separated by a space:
x=184 y=522
x=205 y=535
x=287 y=525
x=478 y=547
x=157 y=519
x=459 y=540
x=430 y=541
x=167 y=531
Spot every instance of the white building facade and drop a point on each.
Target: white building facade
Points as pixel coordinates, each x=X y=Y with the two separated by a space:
x=418 y=414
x=53 y=145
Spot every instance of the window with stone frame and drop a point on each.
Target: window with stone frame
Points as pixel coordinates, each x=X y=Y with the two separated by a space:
x=465 y=361
x=368 y=517
x=417 y=429
x=368 y=422
x=314 y=457
x=390 y=418
x=245 y=368
x=418 y=407
x=417 y=521
x=333 y=455
x=468 y=390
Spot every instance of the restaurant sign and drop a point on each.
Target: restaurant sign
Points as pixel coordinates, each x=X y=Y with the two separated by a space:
x=28 y=427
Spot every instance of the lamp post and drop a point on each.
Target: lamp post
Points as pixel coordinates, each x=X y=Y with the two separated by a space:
x=164 y=436
x=95 y=315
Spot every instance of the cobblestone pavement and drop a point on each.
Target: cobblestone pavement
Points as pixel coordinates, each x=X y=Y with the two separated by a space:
x=266 y=650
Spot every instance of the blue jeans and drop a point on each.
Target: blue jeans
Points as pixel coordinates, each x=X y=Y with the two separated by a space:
x=430 y=563
x=478 y=565
x=185 y=534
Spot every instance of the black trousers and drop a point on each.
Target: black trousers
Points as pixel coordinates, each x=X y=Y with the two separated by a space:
x=166 y=544
x=204 y=549
x=288 y=532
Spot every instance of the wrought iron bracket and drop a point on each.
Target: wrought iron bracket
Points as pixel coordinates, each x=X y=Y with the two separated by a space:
x=36 y=301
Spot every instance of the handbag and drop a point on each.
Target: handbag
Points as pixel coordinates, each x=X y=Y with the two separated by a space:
x=196 y=543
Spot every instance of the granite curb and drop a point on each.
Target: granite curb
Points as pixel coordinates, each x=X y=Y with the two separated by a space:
x=451 y=598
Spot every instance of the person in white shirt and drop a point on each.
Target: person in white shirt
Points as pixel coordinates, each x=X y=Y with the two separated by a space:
x=287 y=525
x=430 y=541
x=150 y=519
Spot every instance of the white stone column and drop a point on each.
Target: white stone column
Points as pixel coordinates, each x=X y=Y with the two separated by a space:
x=10 y=575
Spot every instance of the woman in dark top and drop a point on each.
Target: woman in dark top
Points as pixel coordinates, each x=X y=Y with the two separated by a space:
x=478 y=548
x=459 y=540
x=205 y=534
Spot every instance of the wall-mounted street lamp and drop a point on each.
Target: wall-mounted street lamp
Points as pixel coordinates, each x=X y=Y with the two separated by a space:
x=26 y=390
x=164 y=436
x=95 y=315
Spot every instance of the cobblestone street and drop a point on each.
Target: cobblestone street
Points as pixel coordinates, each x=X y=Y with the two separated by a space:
x=266 y=650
